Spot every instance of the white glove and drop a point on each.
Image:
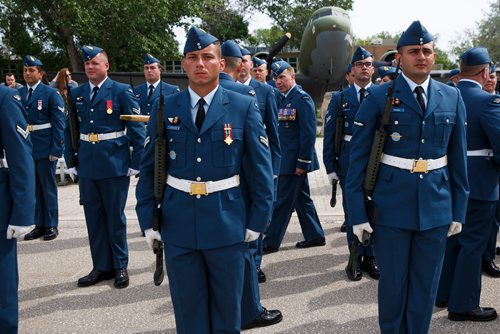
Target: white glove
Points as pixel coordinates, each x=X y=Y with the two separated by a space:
x=151 y=235
x=72 y=173
x=455 y=228
x=251 y=235
x=332 y=176
x=358 y=230
x=53 y=158
x=14 y=231
x=132 y=172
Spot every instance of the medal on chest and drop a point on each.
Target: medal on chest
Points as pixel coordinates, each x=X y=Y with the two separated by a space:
x=228 y=133
x=109 y=107
x=40 y=104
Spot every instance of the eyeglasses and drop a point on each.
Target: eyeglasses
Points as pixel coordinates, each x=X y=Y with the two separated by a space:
x=360 y=64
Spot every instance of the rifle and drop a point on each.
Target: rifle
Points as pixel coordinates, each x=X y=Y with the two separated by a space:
x=74 y=129
x=353 y=262
x=160 y=177
x=376 y=153
x=339 y=134
x=135 y=118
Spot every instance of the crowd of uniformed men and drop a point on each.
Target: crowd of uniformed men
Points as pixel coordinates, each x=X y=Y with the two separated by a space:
x=238 y=151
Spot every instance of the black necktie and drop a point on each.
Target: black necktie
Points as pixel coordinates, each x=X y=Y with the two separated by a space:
x=94 y=93
x=361 y=94
x=420 y=97
x=200 y=114
x=30 y=91
x=151 y=88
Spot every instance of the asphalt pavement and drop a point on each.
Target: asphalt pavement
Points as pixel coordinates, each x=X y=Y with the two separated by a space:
x=308 y=285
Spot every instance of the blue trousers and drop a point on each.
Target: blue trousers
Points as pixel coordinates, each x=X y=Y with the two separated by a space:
x=46 y=210
x=206 y=288
x=9 y=281
x=250 y=299
x=293 y=192
x=460 y=282
x=104 y=204
x=410 y=264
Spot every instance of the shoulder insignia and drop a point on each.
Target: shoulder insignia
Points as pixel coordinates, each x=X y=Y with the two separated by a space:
x=130 y=90
x=305 y=97
x=146 y=141
x=496 y=100
x=328 y=118
x=251 y=92
x=61 y=109
x=136 y=110
x=263 y=140
x=358 y=123
x=79 y=98
x=23 y=132
x=138 y=95
x=177 y=90
x=58 y=92
x=17 y=97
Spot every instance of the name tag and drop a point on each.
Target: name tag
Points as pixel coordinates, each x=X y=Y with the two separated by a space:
x=398 y=110
x=171 y=127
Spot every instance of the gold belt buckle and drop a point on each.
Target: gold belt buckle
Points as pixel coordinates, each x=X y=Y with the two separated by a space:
x=198 y=189
x=93 y=137
x=30 y=128
x=419 y=166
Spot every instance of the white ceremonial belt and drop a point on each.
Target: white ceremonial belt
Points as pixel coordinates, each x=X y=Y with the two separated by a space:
x=414 y=166
x=347 y=137
x=35 y=127
x=97 y=137
x=203 y=188
x=486 y=152
x=3 y=163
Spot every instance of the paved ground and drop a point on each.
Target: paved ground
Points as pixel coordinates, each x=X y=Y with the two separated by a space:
x=308 y=286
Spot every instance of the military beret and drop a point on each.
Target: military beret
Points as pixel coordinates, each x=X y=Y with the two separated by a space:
x=245 y=52
x=258 y=62
x=90 y=52
x=198 y=39
x=493 y=68
x=384 y=71
x=416 y=34
x=360 y=54
x=149 y=59
x=230 y=49
x=454 y=72
x=349 y=68
x=279 y=66
x=475 y=56
x=31 y=61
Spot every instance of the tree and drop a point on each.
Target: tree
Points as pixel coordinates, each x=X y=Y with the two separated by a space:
x=266 y=37
x=223 y=22
x=125 y=29
x=292 y=15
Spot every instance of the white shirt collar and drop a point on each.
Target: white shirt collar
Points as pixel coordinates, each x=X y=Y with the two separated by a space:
x=34 y=86
x=288 y=92
x=98 y=85
x=194 y=98
x=413 y=85
x=359 y=87
x=246 y=82
x=154 y=85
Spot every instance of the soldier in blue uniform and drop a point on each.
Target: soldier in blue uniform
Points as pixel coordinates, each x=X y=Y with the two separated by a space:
x=454 y=77
x=17 y=200
x=259 y=70
x=460 y=283
x=351 y=97
x=45 y=109
x=421 y=189
x=386 y=73
x=149 y=92
x=268 y=107
x=297 y=135
x=105 y=164
x=253 y=314
x=212 y=134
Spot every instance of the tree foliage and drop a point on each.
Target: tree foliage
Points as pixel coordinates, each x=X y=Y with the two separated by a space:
x=265 y=37
x=292 y=15
x=125 y=29
x=223 y=22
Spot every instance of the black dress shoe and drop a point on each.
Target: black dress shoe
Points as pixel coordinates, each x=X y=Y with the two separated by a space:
x=310 y=243
x=269 y=250
x=261 y=275
x=35 y=233
x=50 y=233
x=121 y=278
x=491 y=269
x=498 y=251
x=369 y=265
x=343 y=228
x=477 y=314
x=441 y=304
x=265 y=318
x=355 y=274
x=94 y=277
